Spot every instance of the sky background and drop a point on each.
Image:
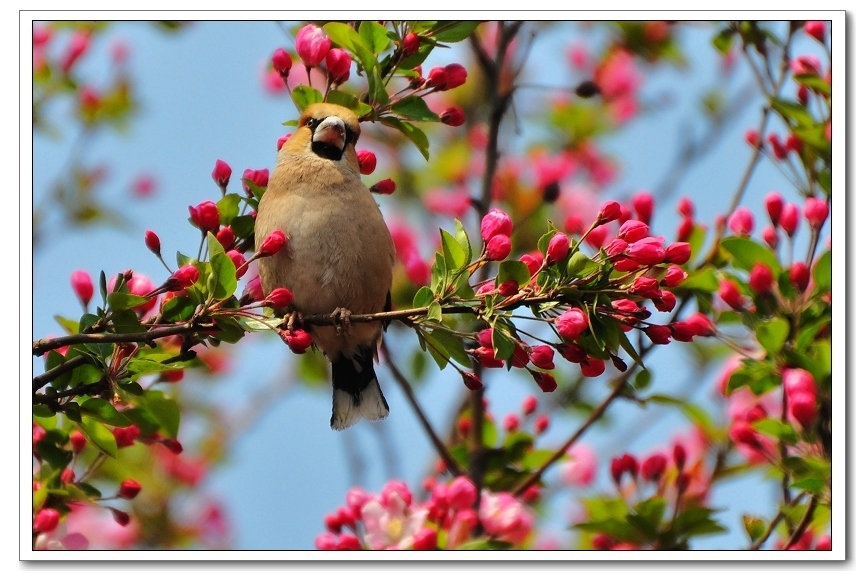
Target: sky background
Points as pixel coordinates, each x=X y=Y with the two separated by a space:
x=201 y=99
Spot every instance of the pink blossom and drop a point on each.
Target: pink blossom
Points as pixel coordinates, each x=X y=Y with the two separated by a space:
x=805 y=65
x=448 y=203
x=504 y=517
x=392 y=522
x=312 y=45
x=579 y=469
x=741 y=222
x=496 y=222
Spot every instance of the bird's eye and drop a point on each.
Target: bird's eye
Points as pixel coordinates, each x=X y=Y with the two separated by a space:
x=310 y=122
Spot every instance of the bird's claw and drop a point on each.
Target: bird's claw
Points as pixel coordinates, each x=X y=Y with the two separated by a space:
x=292 y=320
x=341 y=321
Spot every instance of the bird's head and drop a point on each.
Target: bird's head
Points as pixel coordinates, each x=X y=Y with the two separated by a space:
x=329 y=131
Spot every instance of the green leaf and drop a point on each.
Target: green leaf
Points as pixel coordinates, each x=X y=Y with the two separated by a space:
x=256 y=325
x=778 y=429
x=723 y=41
x=815 y=82
x=415 y=135
x=513 y=270
x=142 y=418
x=745 y=253
x=483 y=544
x=697 y=521
x=462 y=238
x=455 y=256
x=754 y=526
x=374 y=36
x=42 y=411
x=536 y=458
x=123 y=301
x=104 y=411
x=304 y=96
x=503 y=342
x=103 y=285
x=229 y=207
x=451 y=345
x=414 y=109
x=773 y=334
x=345 y=36
x=349 y=101
x=793 y=111
x=225 y=276
x=625 y=343
x=70 y=326
x=214 y=247
x=434 y=313
x=101 y=436
x=696 y=414
x=131 y=387
x=823 y=272
x=436 y=350
x=705 y=279
x=86 y=374
x=423 y=297
x=643 y=379
x=165 y=410
x=454 y=31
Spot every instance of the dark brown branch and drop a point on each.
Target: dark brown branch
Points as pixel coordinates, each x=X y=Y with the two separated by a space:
x=452 y=465
x=803 y=524
x=52 y=399
x=44 y=345
x=41 y=381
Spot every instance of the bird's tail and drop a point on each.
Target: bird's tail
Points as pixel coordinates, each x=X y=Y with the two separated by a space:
x=356 y=391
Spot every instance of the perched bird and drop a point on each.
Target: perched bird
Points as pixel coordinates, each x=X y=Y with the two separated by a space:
x=339 y=253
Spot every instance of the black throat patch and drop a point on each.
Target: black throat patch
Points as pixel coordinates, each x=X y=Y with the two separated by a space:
x=326 y=150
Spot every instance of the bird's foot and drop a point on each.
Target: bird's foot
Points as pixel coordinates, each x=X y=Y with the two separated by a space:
x=292 y=320
x=341 y=321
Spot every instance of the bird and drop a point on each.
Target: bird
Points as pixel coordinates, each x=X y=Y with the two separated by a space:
x=339 y=254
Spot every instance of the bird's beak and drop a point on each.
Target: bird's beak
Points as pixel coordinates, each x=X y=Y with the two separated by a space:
x=330 y=131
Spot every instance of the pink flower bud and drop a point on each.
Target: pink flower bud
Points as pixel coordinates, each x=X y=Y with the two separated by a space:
x=545 y=381
x=498 y=247
x=455 y=75
x=486 y=357
x=802 y=94
x=297 y=340
x=803 y=407
x=774 y=204
x=666 y=303
x=254 y=290
x=779 y=149
x=129 y=489
x=461 y=493
x=120 y=517
x=125 y=437
x=644 y=206
x=800 y=276
x=729 y=293
x=649 y=251
x=592 y=367
x=659 y=334
x=675 y=276
x=187 y=275
x=281 y=61
x=761 y=278
x=633 y=230
x=532 y=261
x=225 y=237
x=805 y=65
x=542 y=357
x=325 y=542
x=816 y=28
x=798 y=381
x=529 y=405
x=272 y=244
x=410 y=44
x=79 y=42
x=205 y=216
x=367 y=161
x=609 y=211
x=496 y=222
x=679 y=456
x=279 y=298
x=678 y=253
x=437 y=78
x=789 y=219
x=385 y=186
x=686 y=208
x=686 y=228
x=46 y=520
x=511 y=423
x=541 y=424
x=281 y=141
x=239 y=261
x=425 y=539
x=741 y=222
x=172 y=445
x=558 y=248
x=508 y=288
x=816 y=211
x=82 y=286
x=770 y=236
x=472 y=381
x=77 y=441
x=259 y=177
x=653 y=467
x=151 y=240
x=572 y=323
x=453 y=116
x=752 y=136
x=338 y=64
x=793 y=143
x=312 y=45
x=221 y=173
x=700 y=325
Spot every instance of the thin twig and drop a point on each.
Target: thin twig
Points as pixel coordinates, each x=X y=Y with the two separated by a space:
x=452 y=465
x=773 y=525
x=803 y=524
